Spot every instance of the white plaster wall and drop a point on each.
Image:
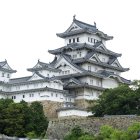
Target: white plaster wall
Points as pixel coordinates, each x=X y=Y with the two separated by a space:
x=5 y=78
x=51 y=84
x=77 y=53
x=73 y=112
x=94 y=68
x=110 y=83
x=103 y=58
x=88 y=94
x=95 y=81
x=38 y=96
x=2 y=96
x=48 y=73
x=83 y=38
x=91 y=94
x=63 y=62
x=115 y=71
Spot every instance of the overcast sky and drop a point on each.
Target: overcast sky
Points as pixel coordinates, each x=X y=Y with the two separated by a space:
x=28 y=29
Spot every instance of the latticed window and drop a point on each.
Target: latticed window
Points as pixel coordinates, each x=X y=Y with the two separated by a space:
x=89 y=68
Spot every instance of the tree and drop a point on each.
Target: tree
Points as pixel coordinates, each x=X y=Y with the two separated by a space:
x=4 y=103
x=122 y=100
x=39 y=121
x=78 y=134
x=21 y=120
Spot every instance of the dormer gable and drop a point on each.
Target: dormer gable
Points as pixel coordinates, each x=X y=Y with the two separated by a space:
x=73 y=27
x=102 y=47
x=116 y=63
x=94 y=58
x=35 y=76
x=4 y=66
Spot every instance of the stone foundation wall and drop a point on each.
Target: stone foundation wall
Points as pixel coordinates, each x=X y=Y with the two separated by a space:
x=82 y=103
x=50 y=108
x=58 y=128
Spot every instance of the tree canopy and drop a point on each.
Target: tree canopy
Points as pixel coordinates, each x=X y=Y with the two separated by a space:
x=105 y=133
x=123 y=100
x=21 y=120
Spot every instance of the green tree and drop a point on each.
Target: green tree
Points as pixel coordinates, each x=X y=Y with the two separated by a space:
x=4 y=103
x=122 y=100
x=39 y=121
x=14 y=120
x=20 y=119
x=75 y=133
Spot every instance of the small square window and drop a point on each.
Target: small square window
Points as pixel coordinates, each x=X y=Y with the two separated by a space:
x=77 y=39
x=8 y=75
x=69 y=41
x=73 y=40
x=3 y=74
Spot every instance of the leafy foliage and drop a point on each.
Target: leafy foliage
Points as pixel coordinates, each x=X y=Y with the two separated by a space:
x=106 y=133
x=77 y=134
x=122 y=100
x=19 y=119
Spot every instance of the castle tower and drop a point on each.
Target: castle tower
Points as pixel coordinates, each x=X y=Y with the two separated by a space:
x=87 y=66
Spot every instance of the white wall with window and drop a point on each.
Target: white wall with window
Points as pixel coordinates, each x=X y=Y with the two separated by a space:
x=110 y=83
x=38 y=96
x=4 y=76
x=91 y=67
x=73 y=112
x=84 y=38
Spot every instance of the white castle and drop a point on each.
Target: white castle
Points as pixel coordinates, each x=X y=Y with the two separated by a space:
x=80 y=71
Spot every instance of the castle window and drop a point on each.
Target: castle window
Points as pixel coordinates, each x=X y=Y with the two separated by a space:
x=69 y=41
x=17 y=87
x=94 y=41
x=56 y=95
x=23 y=96
x=91 y=81
x=74 y=56
x=52 y=94
x=3 y=74
x=96 y=68
x=80 y=54
x=91 y=40
x=31 y=95
x=103 y=59
x=89 y=68
x=73 y=40
x=13 y=97
x=8 y=75
x=97 y=82
x=88 y=39
x=77 y=39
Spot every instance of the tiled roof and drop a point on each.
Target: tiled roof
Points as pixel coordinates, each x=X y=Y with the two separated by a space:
x=2 y=64
x=76 y=46
x=44 y=66
x=82 y=60
x=33 y=90
x=84 y=28
x=109 y=74
x=19 y=80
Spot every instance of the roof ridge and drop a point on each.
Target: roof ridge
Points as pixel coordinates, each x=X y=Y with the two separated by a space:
x=21 y=77
x=85 y=23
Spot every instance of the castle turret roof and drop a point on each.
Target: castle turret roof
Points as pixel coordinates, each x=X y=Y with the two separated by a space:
x=82 y=27
x=5 y=67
